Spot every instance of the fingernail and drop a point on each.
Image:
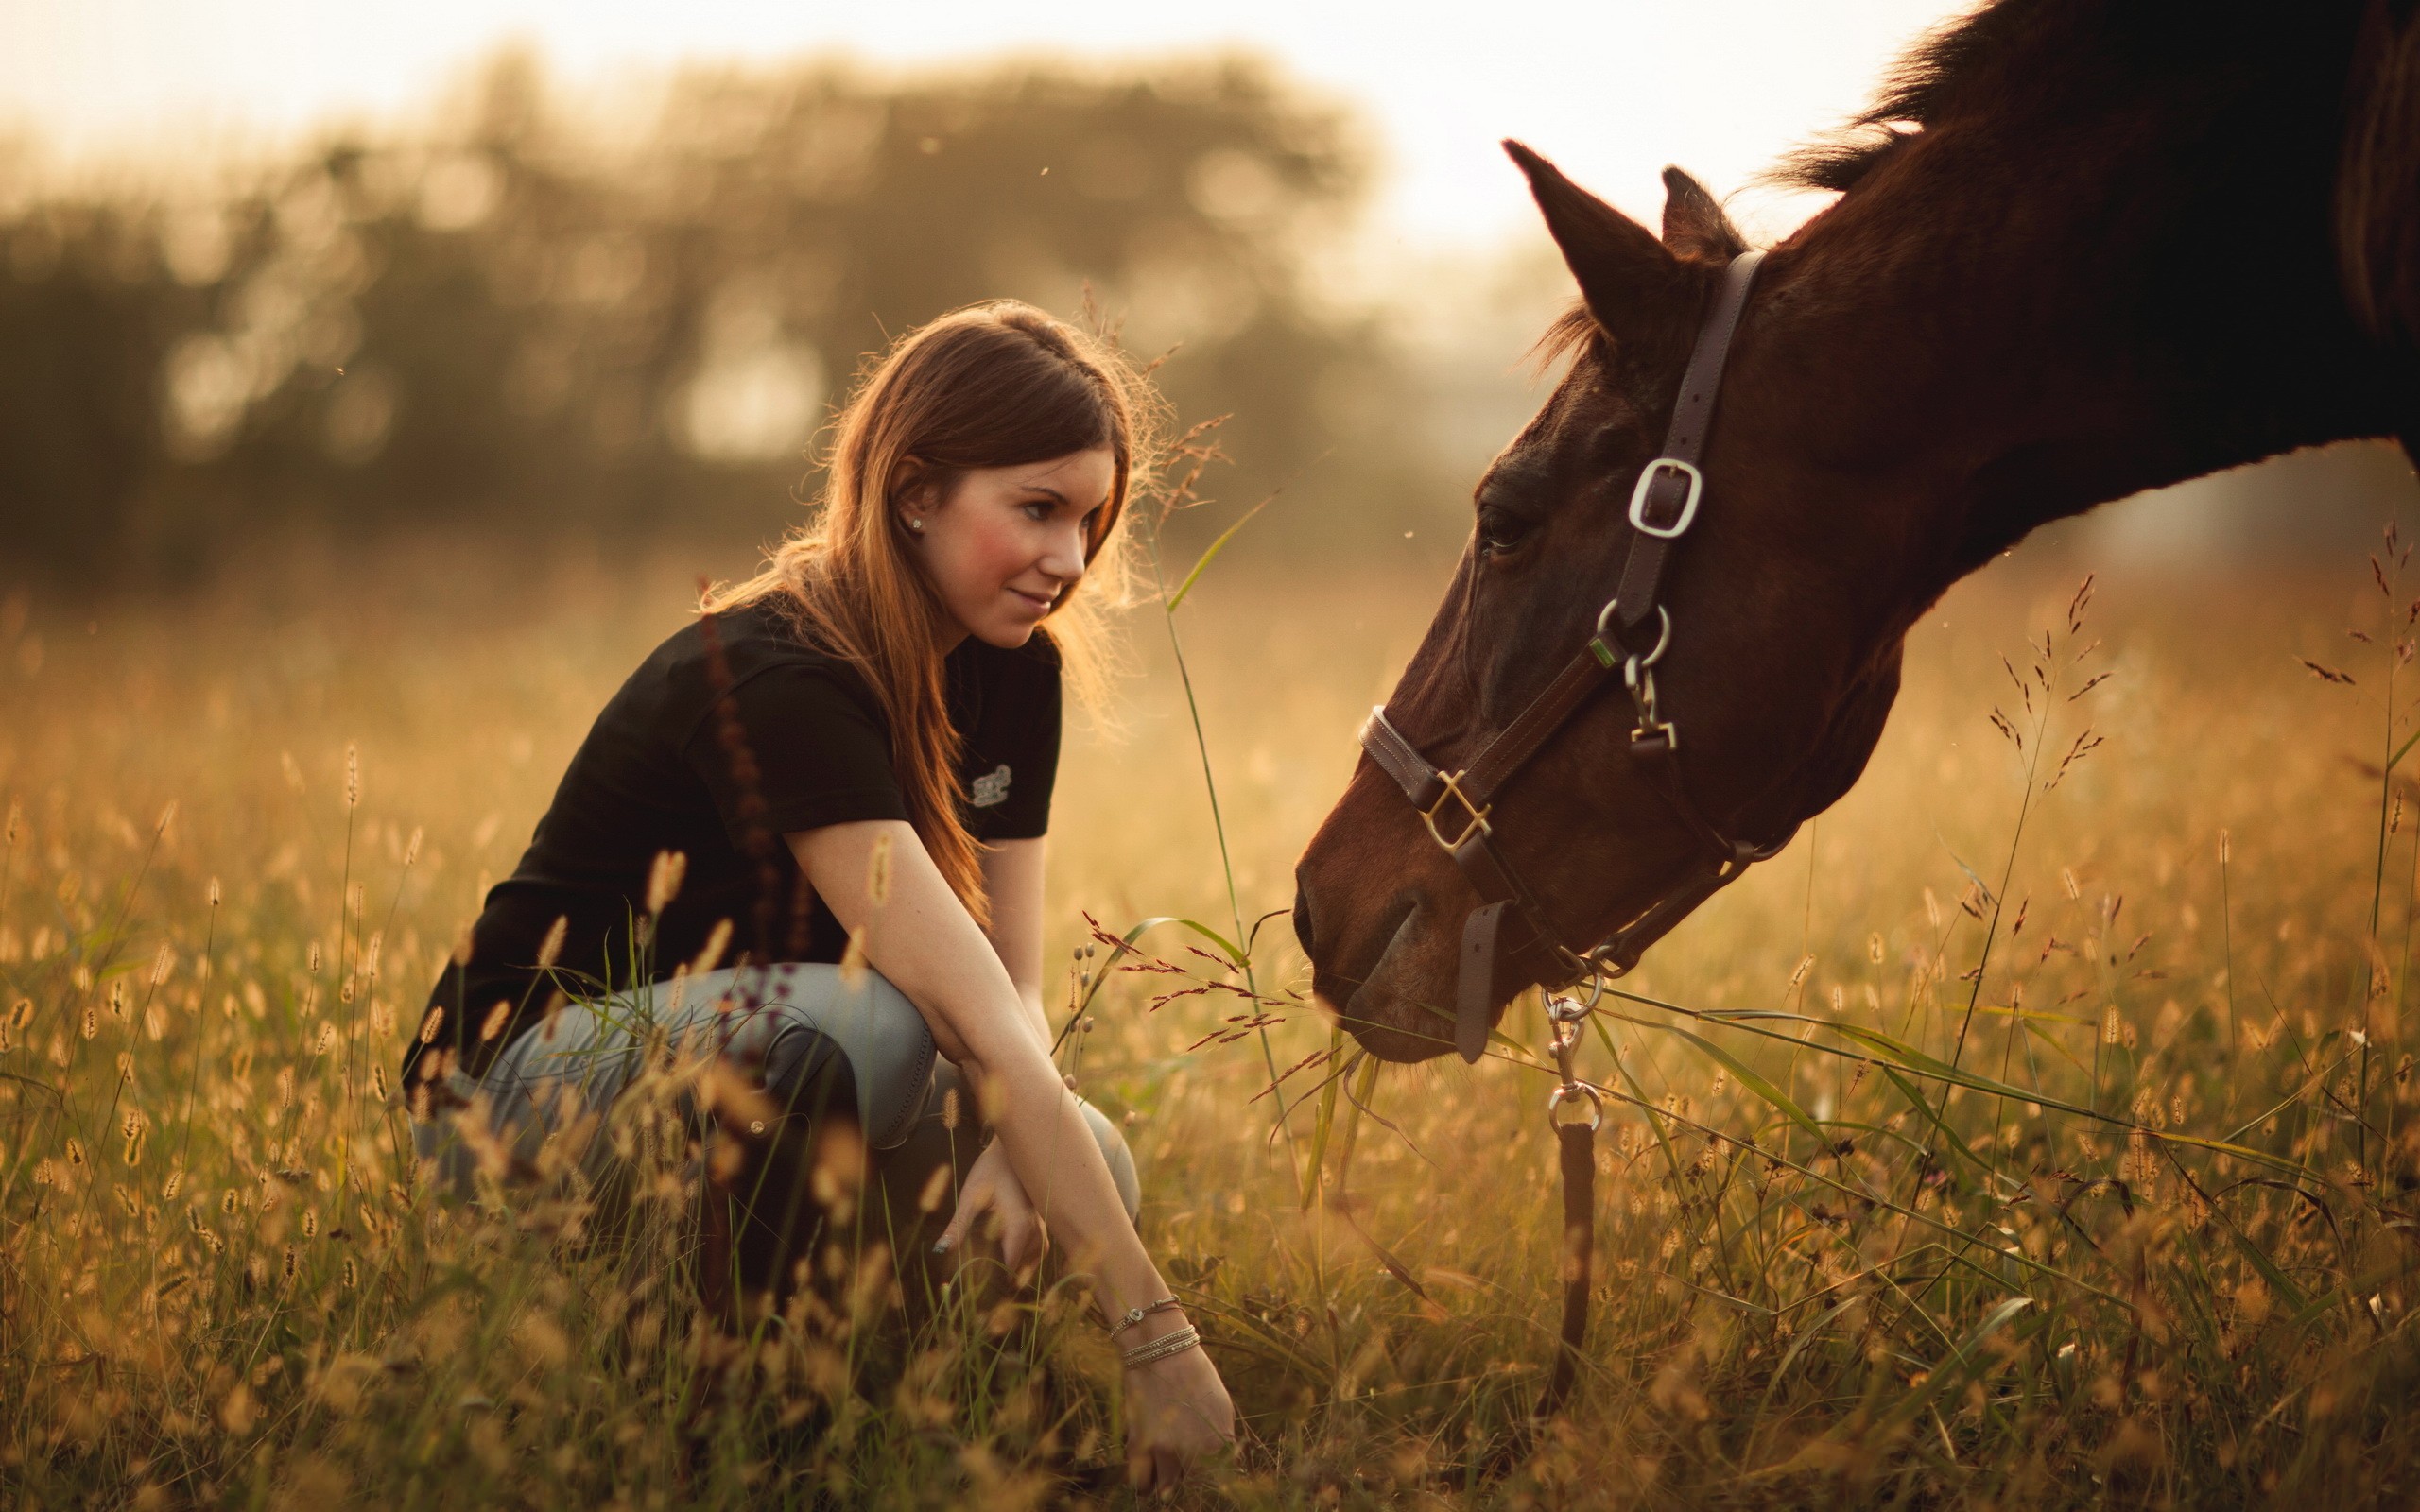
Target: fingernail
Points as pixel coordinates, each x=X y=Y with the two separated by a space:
x=940 y=1246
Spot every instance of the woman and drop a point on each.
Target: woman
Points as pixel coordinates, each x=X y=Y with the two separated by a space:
x=858 y=744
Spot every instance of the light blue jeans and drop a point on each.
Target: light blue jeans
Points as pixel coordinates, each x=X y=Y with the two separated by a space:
x=823 y=1047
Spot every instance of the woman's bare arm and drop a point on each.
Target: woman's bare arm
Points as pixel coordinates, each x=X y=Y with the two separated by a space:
x=922 y=939
x=1013 y=874
x=927 y=945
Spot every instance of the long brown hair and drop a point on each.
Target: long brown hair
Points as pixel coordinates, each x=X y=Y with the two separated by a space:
x=993 y=385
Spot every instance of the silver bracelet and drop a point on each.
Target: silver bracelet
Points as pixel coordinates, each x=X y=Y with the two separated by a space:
x=1188 y=1337
x=1137 y=1314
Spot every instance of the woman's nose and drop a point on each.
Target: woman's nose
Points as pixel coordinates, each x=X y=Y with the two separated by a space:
x=1064 y=558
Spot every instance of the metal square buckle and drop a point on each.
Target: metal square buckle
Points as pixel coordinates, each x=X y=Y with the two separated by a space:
x=1647 y=478
x=1476 y=824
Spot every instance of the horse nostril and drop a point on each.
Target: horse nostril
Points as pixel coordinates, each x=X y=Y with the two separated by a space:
x=1303 y=921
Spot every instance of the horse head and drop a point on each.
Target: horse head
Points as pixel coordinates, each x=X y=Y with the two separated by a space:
x=2079 y=251
x=1777 y=689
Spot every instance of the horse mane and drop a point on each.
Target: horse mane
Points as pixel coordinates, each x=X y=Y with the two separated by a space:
x=2009 y=55
x=1915 y=92
x=2022 y=54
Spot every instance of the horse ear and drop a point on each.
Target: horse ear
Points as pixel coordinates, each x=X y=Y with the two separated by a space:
x=1694 y=224
x=1624 y=272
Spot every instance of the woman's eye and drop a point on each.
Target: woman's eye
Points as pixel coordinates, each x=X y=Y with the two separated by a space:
x=1038 y=511
x=1499 y=529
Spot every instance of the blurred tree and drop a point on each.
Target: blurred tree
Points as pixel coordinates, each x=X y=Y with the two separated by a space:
x=535 y=325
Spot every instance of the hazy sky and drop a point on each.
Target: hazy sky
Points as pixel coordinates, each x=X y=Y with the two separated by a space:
x=1612 y=88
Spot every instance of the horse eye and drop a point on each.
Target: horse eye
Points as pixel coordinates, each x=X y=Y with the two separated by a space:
x=1500 y=529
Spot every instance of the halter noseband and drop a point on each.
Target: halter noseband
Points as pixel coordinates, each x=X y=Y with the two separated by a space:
x=1663 y=505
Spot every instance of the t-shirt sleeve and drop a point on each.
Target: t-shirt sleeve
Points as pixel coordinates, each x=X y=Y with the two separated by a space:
x=821 y=756
x=1016 y=751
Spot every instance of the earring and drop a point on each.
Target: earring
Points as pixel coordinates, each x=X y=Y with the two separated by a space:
x=916 y=523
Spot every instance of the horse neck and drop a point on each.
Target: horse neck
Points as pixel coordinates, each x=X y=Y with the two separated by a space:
x=2009 y=323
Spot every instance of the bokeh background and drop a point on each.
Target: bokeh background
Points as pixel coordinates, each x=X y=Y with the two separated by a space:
x=284 y=282
x=376 y=384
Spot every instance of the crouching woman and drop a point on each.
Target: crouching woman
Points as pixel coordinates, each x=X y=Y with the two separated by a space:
x=860 y=741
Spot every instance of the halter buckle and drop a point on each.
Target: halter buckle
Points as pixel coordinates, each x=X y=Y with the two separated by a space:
x=1477 y=822
x=1648 y=476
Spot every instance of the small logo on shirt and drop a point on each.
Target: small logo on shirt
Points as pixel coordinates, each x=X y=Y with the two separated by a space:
x=991 y=788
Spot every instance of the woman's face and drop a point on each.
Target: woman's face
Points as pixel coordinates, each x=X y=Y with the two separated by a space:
x=1008 y=543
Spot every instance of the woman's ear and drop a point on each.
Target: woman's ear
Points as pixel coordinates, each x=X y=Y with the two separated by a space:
x=914 y=492
x=919 y=488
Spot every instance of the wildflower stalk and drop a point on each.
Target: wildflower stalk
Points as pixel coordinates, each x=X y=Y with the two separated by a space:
x=344 y=975
x=1199 y=453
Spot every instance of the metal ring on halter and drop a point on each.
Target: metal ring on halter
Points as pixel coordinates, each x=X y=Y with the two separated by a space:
x=1601 y=962
x=1570 y=1092
x=1607 y=655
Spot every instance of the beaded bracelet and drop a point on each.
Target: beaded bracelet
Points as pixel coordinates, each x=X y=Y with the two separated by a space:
x=1134 y=1315
x=1188 y=1337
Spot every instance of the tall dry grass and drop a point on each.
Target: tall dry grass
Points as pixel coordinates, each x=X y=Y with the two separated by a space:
x=2033 y=1131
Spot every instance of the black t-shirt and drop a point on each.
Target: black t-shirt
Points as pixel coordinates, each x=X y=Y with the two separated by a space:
x=657 y=773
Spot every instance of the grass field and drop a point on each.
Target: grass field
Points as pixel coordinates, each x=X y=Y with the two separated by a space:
x=2125 y=1218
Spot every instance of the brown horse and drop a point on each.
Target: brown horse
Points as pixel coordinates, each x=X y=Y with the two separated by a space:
x=2083 y=248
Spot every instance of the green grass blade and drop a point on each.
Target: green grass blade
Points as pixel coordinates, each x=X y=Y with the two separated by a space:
x=1754 y=1083
x=1210 y=554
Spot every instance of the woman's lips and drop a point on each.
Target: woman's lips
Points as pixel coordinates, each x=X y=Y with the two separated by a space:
x=1039 y=604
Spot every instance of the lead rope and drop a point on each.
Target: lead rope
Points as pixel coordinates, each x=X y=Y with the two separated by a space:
x=1575 y=1147
x=1576 y=1153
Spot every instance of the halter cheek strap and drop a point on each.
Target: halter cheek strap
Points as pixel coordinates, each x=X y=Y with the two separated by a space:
x=1510 y=922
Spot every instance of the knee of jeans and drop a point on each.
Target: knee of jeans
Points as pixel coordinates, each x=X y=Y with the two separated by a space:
x=877 y=1037
x=807 y=1075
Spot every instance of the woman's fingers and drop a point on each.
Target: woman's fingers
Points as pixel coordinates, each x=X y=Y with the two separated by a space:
x=971 y=1201
x=1023 y=1237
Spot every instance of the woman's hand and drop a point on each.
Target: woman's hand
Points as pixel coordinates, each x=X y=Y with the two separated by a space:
x=993 y=1187
x=1176 y=1412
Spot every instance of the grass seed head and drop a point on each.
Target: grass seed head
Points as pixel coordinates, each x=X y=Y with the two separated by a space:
x=878 y=870
x=663 y=879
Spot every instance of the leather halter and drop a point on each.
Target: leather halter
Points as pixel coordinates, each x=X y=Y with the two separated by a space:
x=1663 y=505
